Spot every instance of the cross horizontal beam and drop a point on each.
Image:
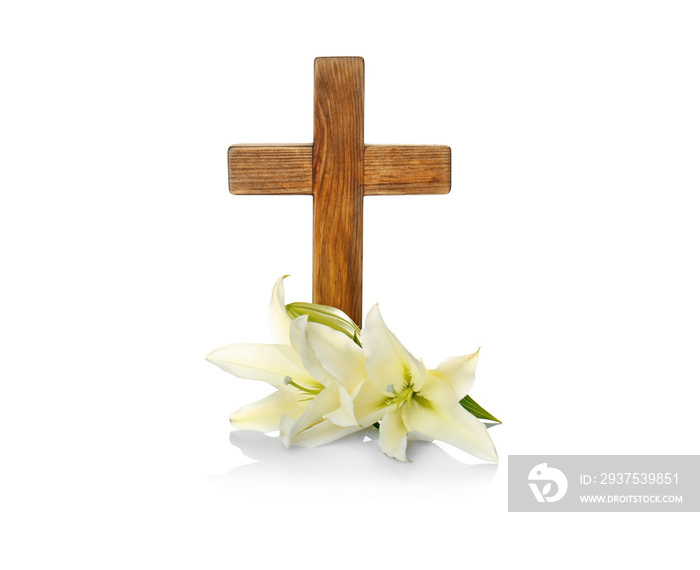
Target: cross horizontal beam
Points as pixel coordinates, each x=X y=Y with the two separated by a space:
x=388 y=169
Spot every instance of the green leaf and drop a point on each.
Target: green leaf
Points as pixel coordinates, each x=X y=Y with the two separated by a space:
x=475 y=409
x=328 y=316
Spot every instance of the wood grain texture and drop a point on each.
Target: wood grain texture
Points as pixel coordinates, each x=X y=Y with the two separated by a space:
x=270 y=169
x=337 y=175
x=388 y=170
x=407 y=170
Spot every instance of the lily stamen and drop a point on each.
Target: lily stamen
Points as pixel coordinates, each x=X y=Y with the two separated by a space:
x=309 y=391
x=403 y=397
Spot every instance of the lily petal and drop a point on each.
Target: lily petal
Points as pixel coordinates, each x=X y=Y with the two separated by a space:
x=297 y=336
x=321 y=433
x=389 y=364
x=265 y=415
x=393 y=435
x=270 y=363
x=326 y=401
x=337 y=354
x=344 y=415
x=278 y=319
x=459 y=372
x=286 y=423
x=451 y=424
x=370 y=404
x=438 y=391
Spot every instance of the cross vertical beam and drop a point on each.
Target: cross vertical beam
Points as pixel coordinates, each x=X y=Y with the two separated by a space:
x=337 y=183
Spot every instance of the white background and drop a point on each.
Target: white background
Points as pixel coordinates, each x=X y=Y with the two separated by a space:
x=567 y=250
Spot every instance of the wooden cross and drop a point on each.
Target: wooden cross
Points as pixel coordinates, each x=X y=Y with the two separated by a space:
x=338 y=170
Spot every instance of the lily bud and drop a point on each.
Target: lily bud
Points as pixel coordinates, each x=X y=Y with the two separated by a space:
x=328 y=316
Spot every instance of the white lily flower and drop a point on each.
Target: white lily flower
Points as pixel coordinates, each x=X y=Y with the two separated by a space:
x=414 y=403
x=314 y=369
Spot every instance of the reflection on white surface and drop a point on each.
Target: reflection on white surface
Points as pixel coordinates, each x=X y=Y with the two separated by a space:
x=353 y=461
